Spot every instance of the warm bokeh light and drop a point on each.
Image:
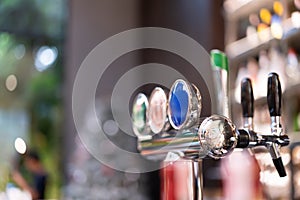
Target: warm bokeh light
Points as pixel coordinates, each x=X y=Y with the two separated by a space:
x=20 y=145
x=263 y=32
x=261 y=27
x=278 y=8
x=11 y=82
x=265 y=16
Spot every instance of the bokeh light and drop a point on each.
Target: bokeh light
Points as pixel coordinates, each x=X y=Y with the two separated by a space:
x=296 y=19
x=265 y=16
x=20 y=145
x=45 y=57
x=110 y=127
x=19 y=51
x=278 y=8
x=263 y=32
x=11 y=82
x=276 y=28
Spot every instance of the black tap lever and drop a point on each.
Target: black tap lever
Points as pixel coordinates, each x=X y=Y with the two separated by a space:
x=247 y=101
x=274 y=95
x=274 y=104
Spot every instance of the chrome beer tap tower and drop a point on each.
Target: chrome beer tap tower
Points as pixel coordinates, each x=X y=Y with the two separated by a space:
x=173 y=125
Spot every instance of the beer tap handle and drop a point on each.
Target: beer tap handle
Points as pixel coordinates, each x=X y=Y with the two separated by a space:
x=274 y=95
x=274 y=104
x=247 y=98
x=247 y=101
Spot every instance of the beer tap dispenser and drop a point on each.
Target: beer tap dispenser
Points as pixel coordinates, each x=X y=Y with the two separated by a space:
x=216 y=136
x=274 y=104
x=248 y=138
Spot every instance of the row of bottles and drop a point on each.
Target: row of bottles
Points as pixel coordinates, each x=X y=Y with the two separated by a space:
x=273 y=20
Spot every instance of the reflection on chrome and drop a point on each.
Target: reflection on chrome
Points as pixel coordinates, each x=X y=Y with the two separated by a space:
x=157 y=112
x=216 y=137
x=139 y=115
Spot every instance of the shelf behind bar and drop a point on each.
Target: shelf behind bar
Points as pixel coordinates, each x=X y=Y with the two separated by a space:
x=235 y=9
x=251 y=45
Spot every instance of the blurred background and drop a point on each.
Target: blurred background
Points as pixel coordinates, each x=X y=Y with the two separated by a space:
x=32 y=40
x=44 y=42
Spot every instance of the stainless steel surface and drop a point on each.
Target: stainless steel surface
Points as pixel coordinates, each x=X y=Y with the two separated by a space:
x=186 y=143
x=198 y=184
x=248 y=123
x=276 y=128
x=216 y=137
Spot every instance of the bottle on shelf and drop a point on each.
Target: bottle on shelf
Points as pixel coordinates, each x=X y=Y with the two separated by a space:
x=295 y=17
x=251 y=70
x=277 y=64
x=292 y=67
x=264 y=63
x=297 y=4
x=276 y=27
